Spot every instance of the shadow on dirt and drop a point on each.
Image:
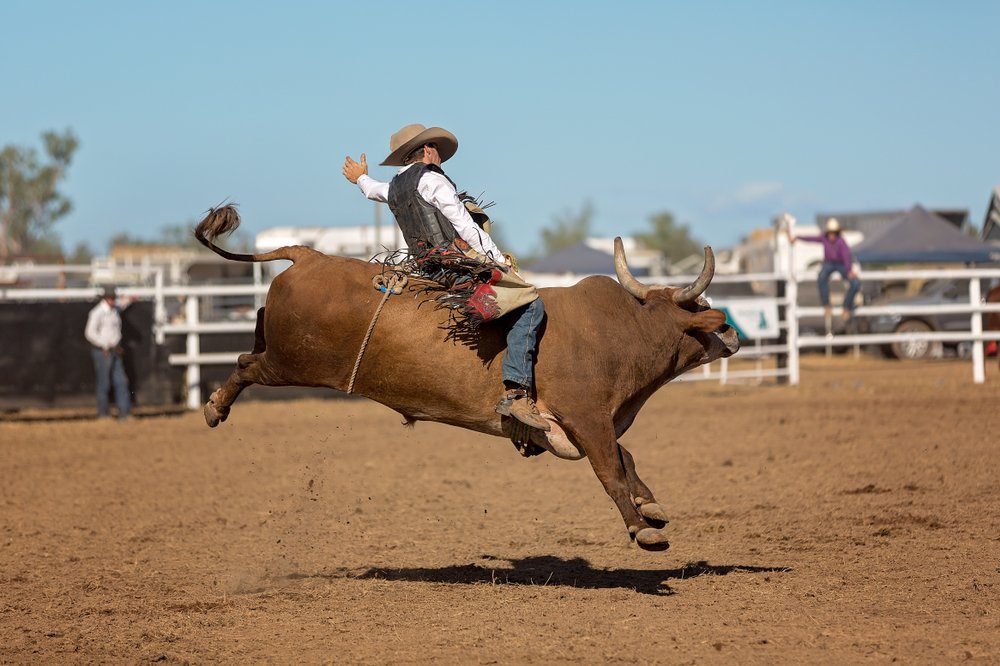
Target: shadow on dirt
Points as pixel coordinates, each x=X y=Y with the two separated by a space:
x=548 y=570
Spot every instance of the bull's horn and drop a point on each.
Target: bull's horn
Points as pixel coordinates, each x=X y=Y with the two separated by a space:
x=698 y=287
x=625 y=277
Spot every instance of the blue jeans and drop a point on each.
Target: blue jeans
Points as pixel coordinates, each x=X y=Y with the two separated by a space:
x=854 y=284
x=522 y=344
x=111 y=371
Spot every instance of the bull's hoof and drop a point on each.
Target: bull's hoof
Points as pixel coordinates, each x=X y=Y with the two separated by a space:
x=651 y=538
x=654 y=514
x=213 y=415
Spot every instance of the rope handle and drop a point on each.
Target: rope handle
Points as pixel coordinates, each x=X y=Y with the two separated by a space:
x=393 y=285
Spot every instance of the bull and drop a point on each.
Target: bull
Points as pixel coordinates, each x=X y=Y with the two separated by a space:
x=605 y=348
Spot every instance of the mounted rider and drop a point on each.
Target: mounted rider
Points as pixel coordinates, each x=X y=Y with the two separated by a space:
x=433 y=217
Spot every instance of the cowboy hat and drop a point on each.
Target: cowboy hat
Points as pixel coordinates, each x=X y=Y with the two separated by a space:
x=411 y=137
x=832 y=226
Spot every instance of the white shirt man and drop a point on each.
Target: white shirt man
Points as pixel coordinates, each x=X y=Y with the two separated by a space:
x=104 y=333
x=104 y=326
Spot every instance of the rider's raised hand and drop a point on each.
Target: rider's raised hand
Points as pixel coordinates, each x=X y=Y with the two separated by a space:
x=353 y=170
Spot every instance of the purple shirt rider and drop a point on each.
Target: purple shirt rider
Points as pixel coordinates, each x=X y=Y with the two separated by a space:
x=835 y=250
x=837 y=258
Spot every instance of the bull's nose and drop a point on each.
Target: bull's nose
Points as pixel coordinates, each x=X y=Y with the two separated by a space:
x=730 y=338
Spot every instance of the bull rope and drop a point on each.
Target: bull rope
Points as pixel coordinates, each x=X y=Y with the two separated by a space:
x=388 y=286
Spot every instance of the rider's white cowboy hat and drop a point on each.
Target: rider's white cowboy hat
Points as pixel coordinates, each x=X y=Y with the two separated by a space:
x=832 y=226
x=411 y=137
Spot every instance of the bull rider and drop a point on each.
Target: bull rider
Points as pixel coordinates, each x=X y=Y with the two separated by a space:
x=431 y=213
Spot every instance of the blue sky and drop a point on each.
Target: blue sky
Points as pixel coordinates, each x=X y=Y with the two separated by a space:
x=723 y=113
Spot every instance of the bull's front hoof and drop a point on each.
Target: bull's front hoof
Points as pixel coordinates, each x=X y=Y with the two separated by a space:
x=651 y=538
x=653 y=513
x=213 y=415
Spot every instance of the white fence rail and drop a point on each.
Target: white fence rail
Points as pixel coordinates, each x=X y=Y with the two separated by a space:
x=975 y=308
x=791 y=341
x=786 y=347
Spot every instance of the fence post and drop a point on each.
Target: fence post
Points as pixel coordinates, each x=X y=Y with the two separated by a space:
x=828 y=326
x=159 y=307
x=193 y=374
x=792 y=322
x=787 y=291
x=978 y=357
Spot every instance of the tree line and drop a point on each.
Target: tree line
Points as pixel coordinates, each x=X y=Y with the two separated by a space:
x=30 y=200
x=665 y=235
x=31 y=205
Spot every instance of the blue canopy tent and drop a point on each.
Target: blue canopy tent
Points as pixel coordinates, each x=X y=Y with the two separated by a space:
x=919 y=236
x=580 y=259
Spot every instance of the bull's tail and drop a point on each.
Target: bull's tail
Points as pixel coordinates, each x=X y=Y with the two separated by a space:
x=225 y=219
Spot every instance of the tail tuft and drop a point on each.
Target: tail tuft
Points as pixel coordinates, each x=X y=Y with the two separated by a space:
x=221 y=220
x=224 y=219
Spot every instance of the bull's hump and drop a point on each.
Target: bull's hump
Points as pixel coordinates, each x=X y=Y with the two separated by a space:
x=598 y=291
x=595 y=284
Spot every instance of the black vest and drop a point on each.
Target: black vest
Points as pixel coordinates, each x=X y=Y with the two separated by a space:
x=417 y=219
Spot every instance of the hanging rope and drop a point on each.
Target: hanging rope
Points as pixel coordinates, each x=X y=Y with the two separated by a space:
x=388 y=285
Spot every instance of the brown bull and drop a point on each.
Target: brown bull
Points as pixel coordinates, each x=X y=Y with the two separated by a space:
x=604 y=351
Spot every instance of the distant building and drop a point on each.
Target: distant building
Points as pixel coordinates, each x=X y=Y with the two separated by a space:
x=130 y=264
x=360 y=242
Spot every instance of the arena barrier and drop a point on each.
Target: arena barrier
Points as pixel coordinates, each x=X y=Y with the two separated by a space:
x=197 y=315
x=975 y=308
x=786 y=346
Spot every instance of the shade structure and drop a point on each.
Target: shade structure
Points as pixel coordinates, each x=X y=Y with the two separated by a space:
x=580 y=259
x=919 y=236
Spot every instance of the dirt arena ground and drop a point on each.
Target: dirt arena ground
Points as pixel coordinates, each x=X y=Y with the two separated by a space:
x=855 y=518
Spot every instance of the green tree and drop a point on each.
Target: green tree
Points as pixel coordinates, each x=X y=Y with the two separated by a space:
x=30 y=202
x=181 y=234
x=671 y=239
x=570 y=228
x=81 y=254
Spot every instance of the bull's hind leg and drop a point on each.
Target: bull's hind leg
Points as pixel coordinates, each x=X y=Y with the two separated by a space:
x=247 y=372
x=220 y=402
x=642 y=496
x=610 y=466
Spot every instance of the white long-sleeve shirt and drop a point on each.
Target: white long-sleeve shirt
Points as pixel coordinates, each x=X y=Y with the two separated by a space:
x=104 y=326
x=437 y=190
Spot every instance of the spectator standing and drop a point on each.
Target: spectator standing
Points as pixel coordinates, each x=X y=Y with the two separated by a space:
x=104 y=333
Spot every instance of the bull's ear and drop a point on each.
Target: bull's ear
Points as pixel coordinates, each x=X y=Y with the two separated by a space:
x=706 y=320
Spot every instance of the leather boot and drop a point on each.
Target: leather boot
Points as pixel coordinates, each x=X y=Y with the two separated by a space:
x=518 y=404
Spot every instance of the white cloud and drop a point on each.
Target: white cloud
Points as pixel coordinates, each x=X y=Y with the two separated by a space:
x=753 y=197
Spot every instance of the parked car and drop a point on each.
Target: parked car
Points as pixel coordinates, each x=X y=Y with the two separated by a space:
x=934 y=292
